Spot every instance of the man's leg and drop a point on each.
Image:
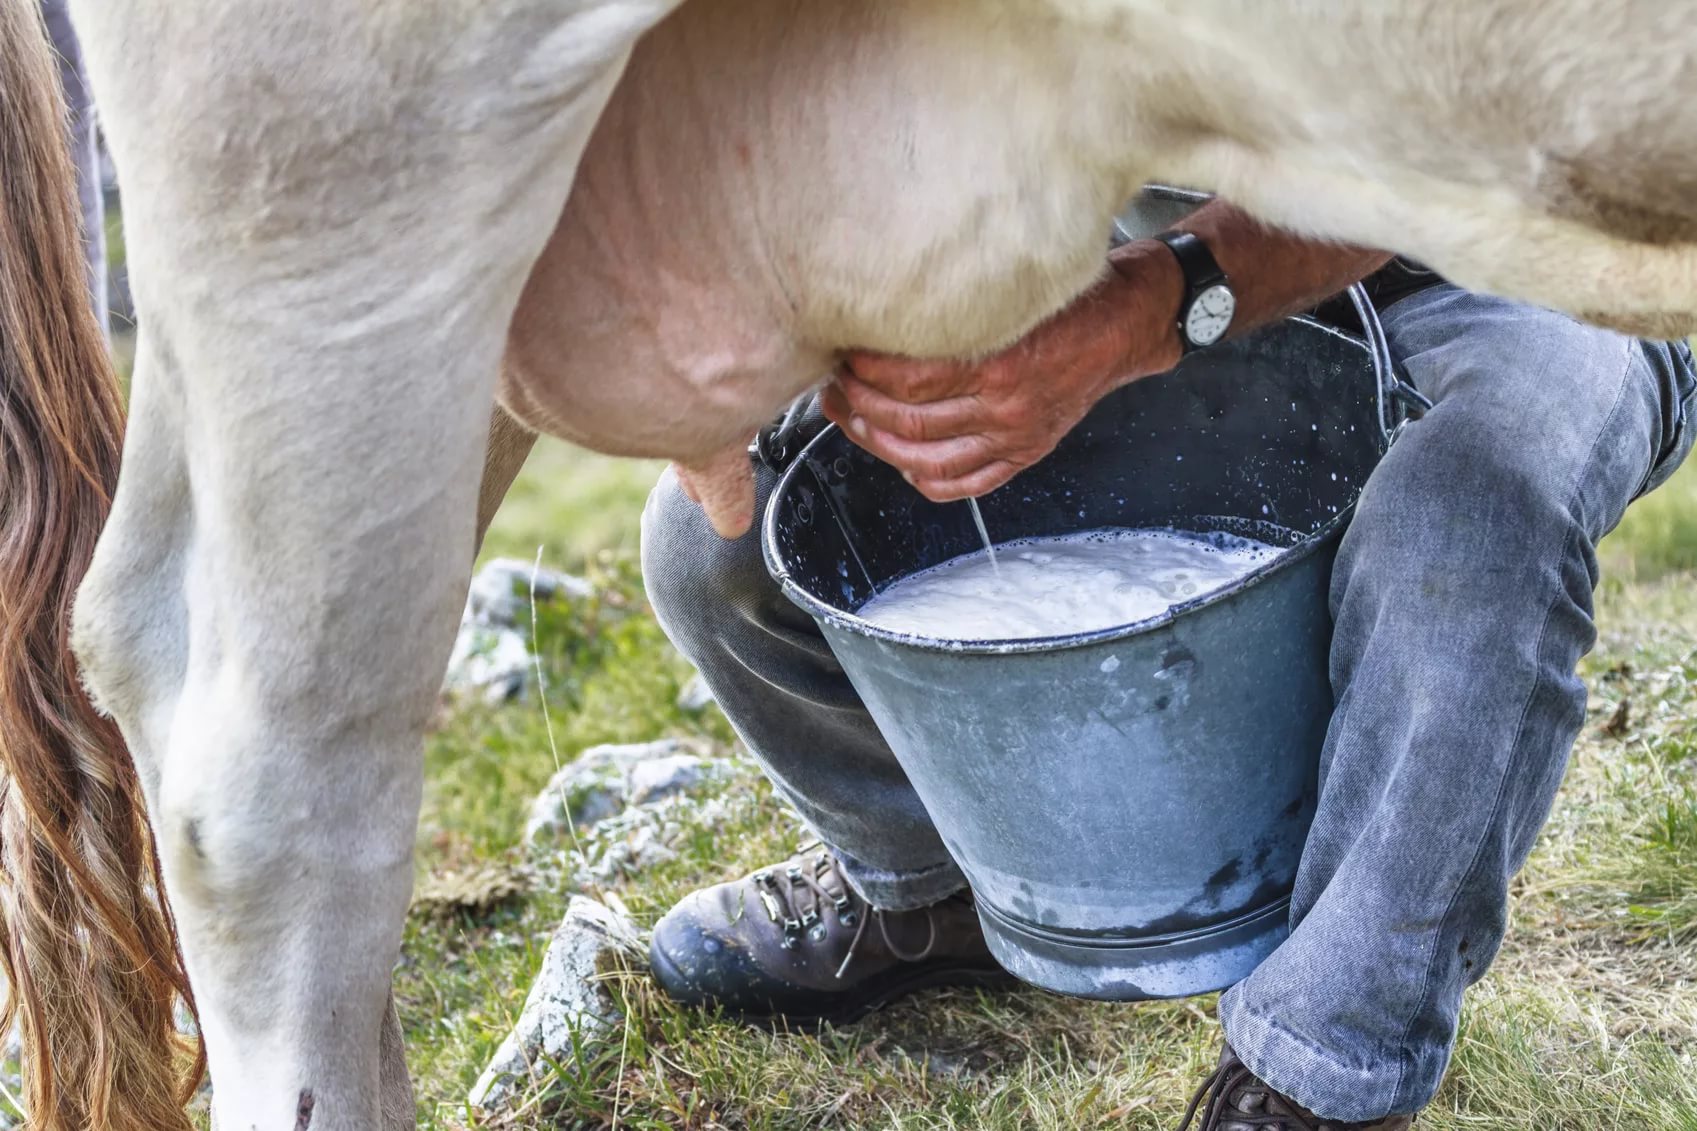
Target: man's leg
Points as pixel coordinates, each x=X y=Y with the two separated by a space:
x=790 y=939
x=782 y=689
x=1462 y=597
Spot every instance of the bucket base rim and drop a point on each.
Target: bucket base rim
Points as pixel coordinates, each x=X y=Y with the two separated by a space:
x=1137 y=969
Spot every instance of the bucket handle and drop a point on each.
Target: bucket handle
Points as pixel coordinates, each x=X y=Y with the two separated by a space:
x=1398 y=400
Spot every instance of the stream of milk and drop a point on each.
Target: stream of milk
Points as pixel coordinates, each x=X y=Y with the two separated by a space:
x=1060 y=586
x=984 y=534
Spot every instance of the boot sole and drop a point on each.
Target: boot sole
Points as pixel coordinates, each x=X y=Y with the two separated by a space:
x=873 y=996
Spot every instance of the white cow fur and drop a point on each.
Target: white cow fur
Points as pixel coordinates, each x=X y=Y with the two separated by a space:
x=335 y=208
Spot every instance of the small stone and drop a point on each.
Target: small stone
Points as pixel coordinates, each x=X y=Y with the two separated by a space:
x=501 y=591
x=696 y=696
x=599 y=783
x=641 y=837
x=495 y=662
x=660 y=778
x=491 y=654
x=568 y=1010
x=641 y=848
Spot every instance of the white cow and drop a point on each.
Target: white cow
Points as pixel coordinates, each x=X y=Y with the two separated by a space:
x=344 y=216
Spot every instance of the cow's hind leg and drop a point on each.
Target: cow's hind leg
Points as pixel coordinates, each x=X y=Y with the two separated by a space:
x=330 y=228
x=509 y=446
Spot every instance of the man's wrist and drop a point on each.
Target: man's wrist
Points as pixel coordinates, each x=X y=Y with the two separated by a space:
x=1149 y=285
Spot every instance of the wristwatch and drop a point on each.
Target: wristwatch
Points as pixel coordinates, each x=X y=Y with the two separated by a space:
x=1206 y=312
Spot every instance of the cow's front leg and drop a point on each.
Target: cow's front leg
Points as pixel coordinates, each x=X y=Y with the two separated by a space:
x=332 y=210
x=268 y=617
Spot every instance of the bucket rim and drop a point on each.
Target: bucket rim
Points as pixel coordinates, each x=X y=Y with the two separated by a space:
x=850 y=622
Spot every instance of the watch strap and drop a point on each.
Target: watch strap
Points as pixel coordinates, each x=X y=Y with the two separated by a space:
x=1201 y=269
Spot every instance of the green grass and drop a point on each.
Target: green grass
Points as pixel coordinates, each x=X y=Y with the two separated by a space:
x=573 y=504
x=1658 y=536
x=1587 y=1022
x=1662 y=890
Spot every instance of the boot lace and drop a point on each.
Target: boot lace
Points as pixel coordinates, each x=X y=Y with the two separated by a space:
x=795 y=897
x=1232 y=1084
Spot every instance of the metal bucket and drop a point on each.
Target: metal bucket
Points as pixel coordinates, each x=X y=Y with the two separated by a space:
x=1129 y=805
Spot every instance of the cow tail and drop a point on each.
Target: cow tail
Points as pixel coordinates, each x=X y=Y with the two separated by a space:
x=87 y=945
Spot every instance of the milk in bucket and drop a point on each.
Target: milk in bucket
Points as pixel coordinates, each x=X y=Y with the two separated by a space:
x=1058 y=586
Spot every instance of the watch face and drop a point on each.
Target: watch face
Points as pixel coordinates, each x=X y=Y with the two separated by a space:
x=1210 y=315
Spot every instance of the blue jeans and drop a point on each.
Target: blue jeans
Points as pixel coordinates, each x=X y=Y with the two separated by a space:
x=1462 y=600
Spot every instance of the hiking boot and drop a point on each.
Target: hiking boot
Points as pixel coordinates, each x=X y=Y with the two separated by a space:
x=794 y=944
x=1239 y=1101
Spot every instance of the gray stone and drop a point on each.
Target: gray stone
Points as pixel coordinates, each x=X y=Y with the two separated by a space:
x=639 y=838
x=696 y=696
x=501 y=591
x=491 y=654
x=601 y=781
x=495 y=663
x=568 y=1009
x=660 y=778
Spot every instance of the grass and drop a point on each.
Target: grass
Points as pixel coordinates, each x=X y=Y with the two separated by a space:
x=1588 y=1021
x=572 y=504
x=1658 y=536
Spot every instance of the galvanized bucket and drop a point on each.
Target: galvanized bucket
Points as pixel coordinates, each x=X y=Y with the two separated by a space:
x=1129 y=805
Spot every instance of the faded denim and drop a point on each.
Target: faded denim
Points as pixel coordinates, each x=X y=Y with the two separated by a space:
x=1462 y=600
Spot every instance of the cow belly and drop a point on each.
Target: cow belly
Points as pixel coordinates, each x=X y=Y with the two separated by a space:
x=776 y=181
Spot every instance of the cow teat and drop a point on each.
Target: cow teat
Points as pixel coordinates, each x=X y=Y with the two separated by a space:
x=723 y=485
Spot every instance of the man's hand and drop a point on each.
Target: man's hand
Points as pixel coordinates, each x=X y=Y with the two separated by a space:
x=965 y=428
x=960 y=429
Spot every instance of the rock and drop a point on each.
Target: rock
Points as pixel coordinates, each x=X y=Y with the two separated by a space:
x=660 y=778
x=638 y=839
x=602 y=780
x=500 y=593
x=495 y=662
x=492 y=651
x=568 y=1009
x=696 y=696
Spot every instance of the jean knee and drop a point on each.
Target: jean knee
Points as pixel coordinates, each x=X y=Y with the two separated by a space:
x=1451 y=483
x=693 y=577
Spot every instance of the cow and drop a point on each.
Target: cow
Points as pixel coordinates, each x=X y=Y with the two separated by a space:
x=377 y=244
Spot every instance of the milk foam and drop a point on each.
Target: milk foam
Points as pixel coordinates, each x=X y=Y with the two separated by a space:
x=1060 y=586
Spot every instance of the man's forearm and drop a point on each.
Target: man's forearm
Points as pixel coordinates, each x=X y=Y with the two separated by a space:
x=1272 y=273
x=962 y=428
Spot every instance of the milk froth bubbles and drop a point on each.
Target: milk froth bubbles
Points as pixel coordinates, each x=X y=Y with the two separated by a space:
x=1066 y=585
